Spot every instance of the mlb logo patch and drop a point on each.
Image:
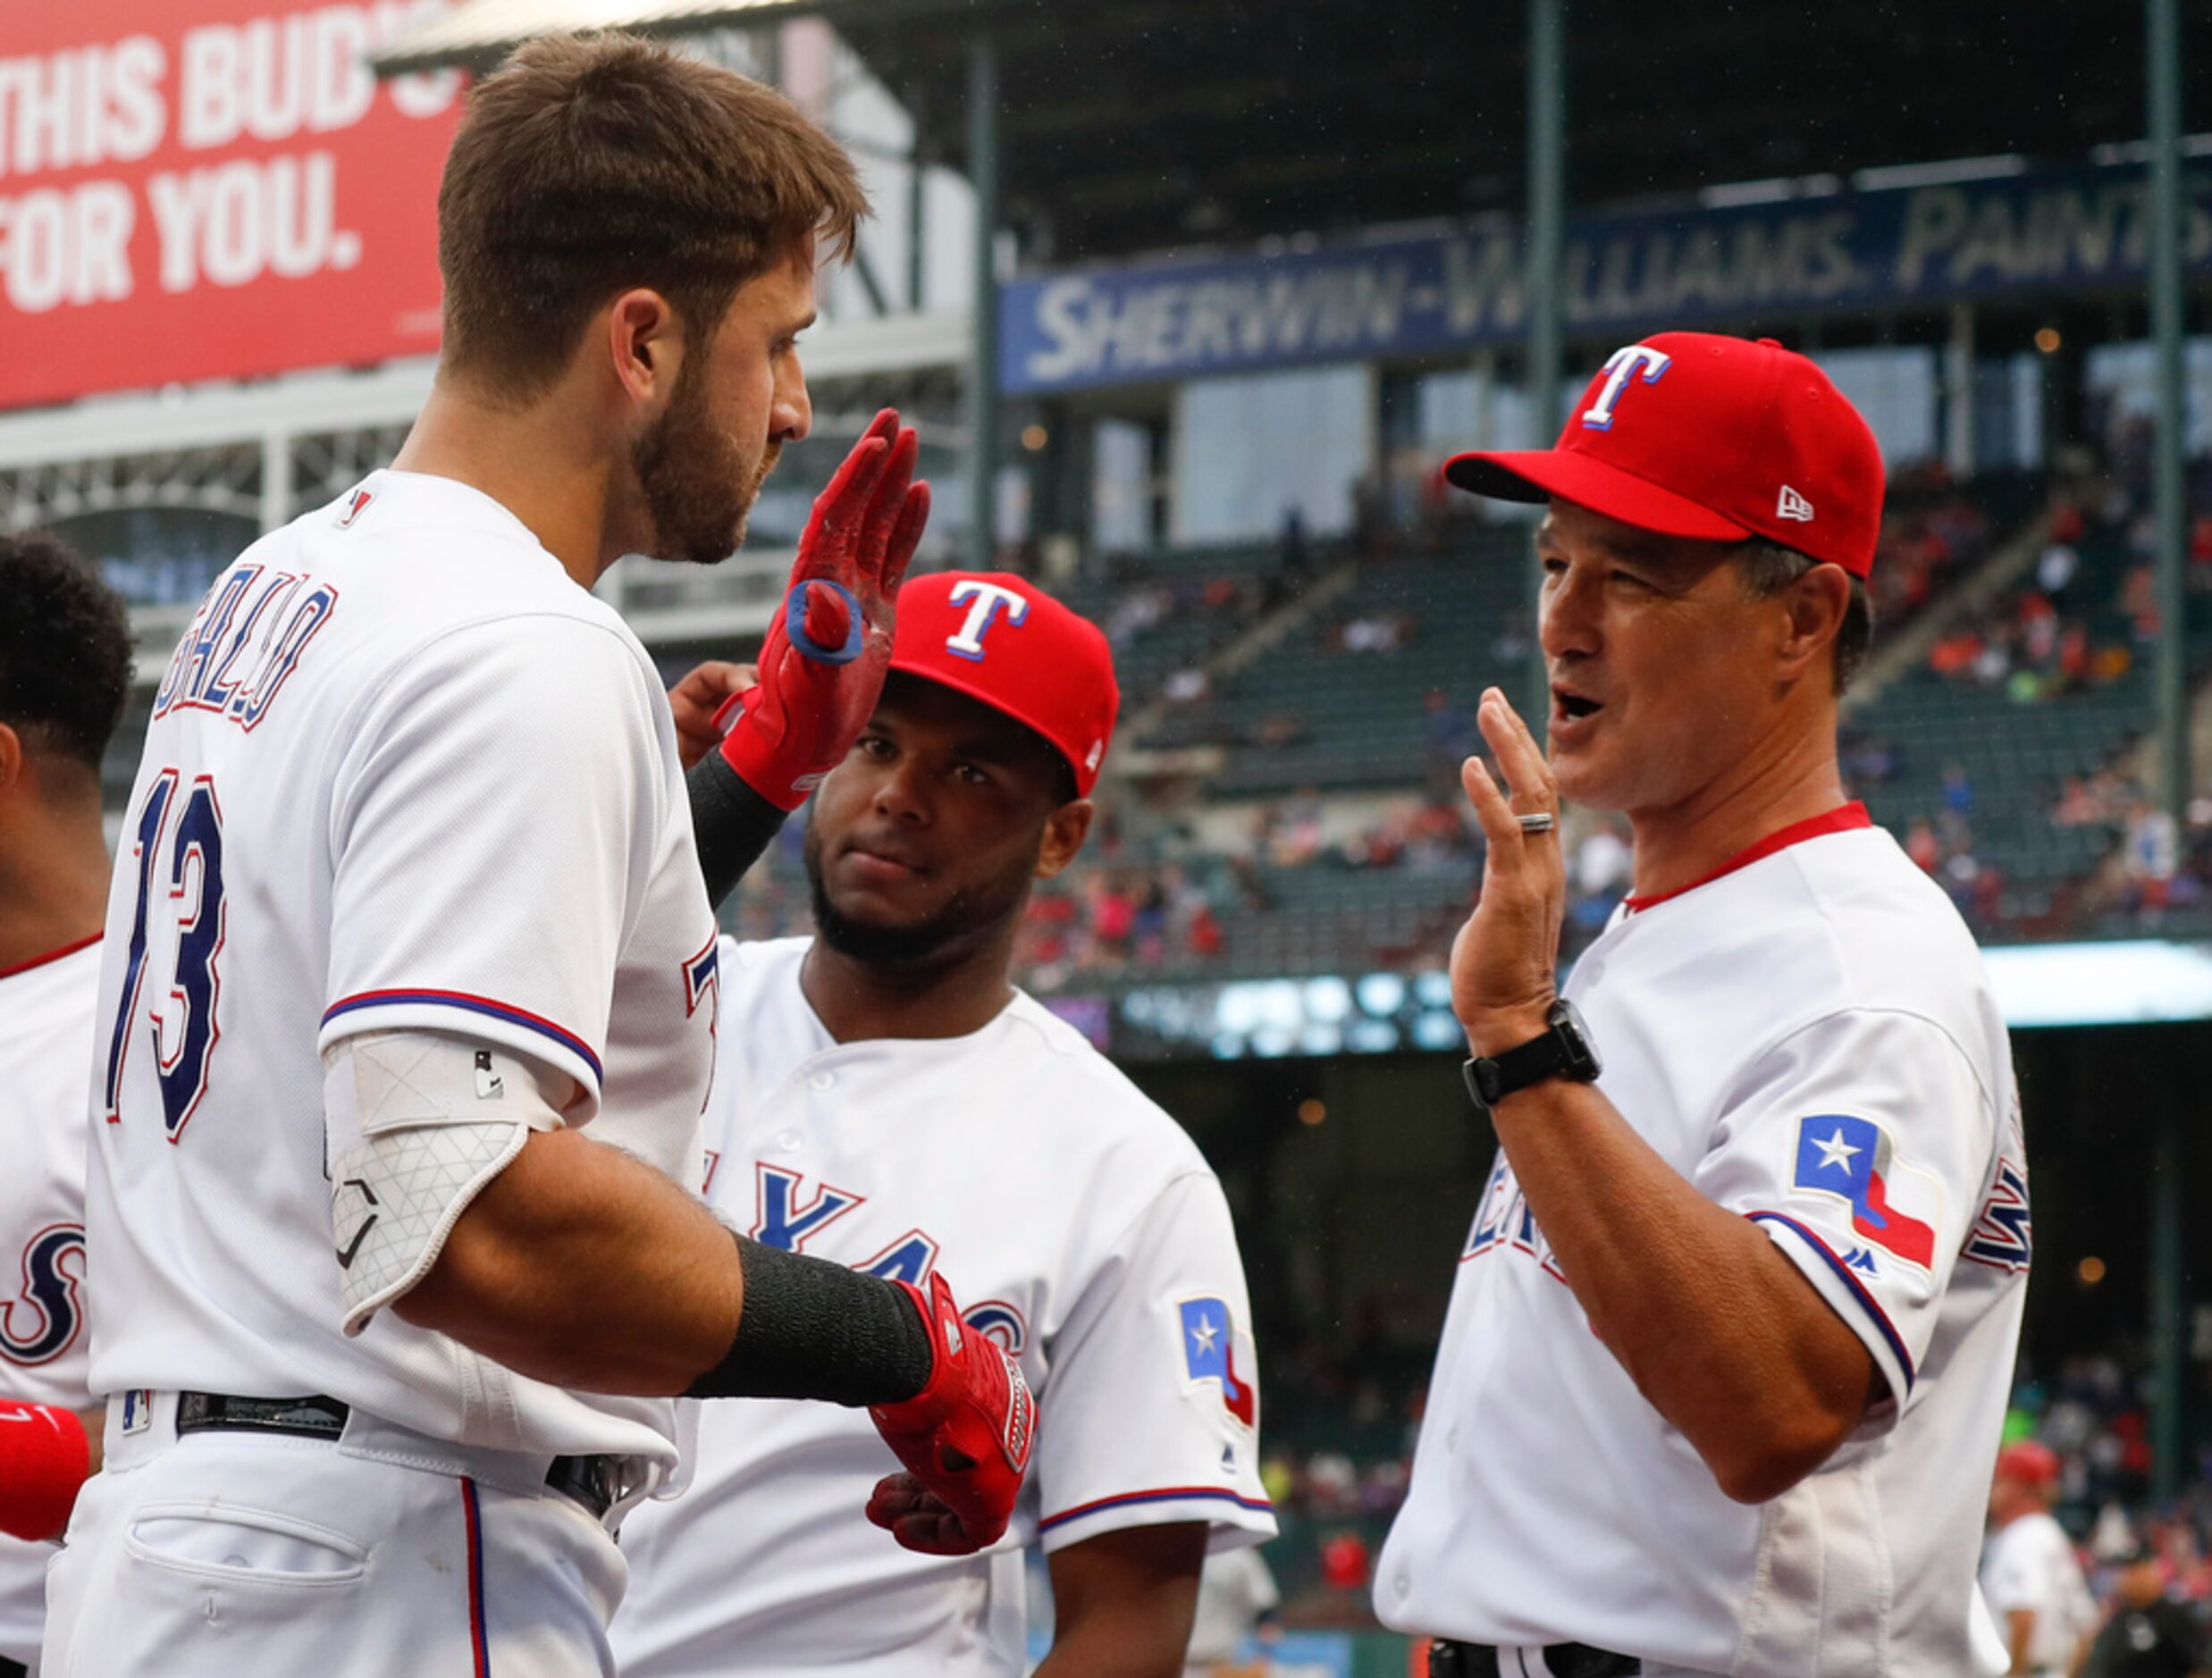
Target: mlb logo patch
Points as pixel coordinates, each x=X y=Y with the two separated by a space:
x=1893 y=1206
x=137 y=1410
x=354 y=505
x=1209 y=1353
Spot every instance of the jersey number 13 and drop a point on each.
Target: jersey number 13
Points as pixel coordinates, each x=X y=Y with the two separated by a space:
x=189 y=880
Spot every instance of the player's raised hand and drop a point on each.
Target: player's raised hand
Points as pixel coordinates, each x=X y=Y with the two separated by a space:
x=822 y=664
x=964 y=1437
x=1505 y=960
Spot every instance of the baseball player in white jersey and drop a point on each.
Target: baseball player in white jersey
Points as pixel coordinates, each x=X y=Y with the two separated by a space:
x=1729 y=1345
x=2030 y=1574
x=904 y=1106
x=64 y=667
x=407 y=996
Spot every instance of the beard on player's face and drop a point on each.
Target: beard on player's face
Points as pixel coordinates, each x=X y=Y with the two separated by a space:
x=696 y=482
x=976 y=912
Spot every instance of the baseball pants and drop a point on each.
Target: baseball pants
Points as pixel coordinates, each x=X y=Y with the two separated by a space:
x=226 y=1555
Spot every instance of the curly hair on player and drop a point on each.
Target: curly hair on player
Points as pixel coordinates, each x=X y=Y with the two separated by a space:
x=65 y=650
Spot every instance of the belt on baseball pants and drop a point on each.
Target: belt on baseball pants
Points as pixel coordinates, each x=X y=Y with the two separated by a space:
x=1561 y=1660
x=594 y=1481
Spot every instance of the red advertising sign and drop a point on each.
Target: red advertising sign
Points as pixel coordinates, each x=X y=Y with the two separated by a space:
x=212 y=189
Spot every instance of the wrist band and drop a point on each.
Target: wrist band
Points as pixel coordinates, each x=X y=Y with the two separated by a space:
x=814 y=1329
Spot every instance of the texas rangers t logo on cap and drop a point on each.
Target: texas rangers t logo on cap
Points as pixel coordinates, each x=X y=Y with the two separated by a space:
x=991 y=602
x=1620 y=366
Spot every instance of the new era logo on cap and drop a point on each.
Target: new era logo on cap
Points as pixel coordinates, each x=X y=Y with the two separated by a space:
x=1792 y=505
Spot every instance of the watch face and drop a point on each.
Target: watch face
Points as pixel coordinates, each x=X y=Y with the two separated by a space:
x=1581 y=1059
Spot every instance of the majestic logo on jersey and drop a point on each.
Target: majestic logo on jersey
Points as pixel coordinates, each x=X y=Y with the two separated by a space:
x=2001 y=1236
x=1209 y=1353
x=1623 y=365
x=244 y=643
x=43 y=1322
x=1503 y=1219
x=1892 y=1205
x=992 y=603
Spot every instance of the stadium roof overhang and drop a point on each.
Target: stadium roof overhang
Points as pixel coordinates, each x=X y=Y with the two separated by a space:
x=1143 y=124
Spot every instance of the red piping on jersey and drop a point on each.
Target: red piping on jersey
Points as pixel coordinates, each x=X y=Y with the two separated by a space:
x=1842 y=818
x=51 y=955
x=1867 y=1301
x=483 y=1005
x=479 y=1644
x=1168 y=1494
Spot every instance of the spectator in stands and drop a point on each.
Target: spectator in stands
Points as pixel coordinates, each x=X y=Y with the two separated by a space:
x=1922 y=846
x=1374 y=631
x=2151 y=853
x=2150 y=1635
x=1113 y=917
x=1958 y=791
x=2055 y=572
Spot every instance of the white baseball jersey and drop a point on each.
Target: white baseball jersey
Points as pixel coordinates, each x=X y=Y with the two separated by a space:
x=2030 y=1564
x=1077 y=1225
x=1809 y=1038
x=403 y=774
x=46 y=1021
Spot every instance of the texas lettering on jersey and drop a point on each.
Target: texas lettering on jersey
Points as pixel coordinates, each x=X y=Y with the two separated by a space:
x=1503 y=1220
x=43 y=1321
x=787 y=1218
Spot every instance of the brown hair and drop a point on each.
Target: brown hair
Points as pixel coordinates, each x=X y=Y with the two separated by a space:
x=588 y=164
x=1766 y=568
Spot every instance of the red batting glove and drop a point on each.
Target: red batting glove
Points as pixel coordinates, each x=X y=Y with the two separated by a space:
x=44 y=1459
x=964 y=1437
x=823 y=663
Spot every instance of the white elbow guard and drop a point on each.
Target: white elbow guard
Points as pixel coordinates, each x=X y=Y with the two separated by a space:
x=417 y=1124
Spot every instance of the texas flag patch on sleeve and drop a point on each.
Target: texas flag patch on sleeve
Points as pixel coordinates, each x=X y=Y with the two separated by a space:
x=1893 y=1207
x=1209 y=1353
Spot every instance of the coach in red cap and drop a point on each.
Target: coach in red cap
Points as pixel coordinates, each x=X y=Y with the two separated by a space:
x=1732 y=1334
x=886 y=1098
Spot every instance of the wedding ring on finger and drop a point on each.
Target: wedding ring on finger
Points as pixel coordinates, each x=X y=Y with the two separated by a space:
x=1542 y=821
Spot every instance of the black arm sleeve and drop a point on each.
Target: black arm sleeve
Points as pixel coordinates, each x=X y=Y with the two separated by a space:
x=812 y=1329
x=731 y=824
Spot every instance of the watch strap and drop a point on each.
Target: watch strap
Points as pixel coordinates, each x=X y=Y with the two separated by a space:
x=1531 y=1063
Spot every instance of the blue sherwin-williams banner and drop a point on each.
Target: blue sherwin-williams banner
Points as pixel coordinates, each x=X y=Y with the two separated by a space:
x=1626 y=274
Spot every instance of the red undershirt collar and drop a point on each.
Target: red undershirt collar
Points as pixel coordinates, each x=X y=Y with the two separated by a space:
x=1842 y=818
x=51 y=955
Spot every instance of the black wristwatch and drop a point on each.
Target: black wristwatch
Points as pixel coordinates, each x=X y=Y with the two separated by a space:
x=1562 y=1051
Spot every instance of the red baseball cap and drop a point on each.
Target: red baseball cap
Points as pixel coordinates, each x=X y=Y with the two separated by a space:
x=2028 y=1461
x=1003 y=641
x=1723 y=438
